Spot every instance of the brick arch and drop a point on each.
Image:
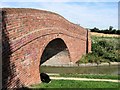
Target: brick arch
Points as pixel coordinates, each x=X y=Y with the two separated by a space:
x=26 y=33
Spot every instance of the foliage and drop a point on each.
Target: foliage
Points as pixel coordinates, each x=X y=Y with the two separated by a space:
x=106 y=31
x=92 y=58
x=104 y=49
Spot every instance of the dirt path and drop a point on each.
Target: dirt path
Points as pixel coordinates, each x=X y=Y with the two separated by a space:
x=83 y=79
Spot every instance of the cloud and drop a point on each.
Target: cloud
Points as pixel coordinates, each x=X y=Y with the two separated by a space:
x=87 y=14
x=101 y=15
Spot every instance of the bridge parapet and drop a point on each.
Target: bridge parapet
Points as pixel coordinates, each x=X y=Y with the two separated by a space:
x=22 y=21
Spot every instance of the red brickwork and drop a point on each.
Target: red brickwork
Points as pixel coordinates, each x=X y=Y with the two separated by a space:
x=26 y=33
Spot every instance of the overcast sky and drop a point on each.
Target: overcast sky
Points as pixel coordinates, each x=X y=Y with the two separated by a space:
x=88 y=14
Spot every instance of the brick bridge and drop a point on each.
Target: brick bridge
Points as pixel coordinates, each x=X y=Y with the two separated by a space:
x=30 y=37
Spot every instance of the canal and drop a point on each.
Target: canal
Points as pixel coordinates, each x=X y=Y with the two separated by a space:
x=112 y=69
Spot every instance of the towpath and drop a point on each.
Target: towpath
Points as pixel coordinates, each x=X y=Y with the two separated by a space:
x=82 y=79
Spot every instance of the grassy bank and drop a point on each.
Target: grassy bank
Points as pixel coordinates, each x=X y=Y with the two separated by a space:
x=76 y=84
x=104 y=49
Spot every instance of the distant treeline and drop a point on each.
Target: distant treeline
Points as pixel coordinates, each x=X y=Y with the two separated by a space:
x=106 y=31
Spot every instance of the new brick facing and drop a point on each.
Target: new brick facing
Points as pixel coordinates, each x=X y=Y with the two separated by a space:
x=26 y=33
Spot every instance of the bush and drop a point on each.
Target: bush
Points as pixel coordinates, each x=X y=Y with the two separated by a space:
x=92 y=58
x=104 y=49
x=107 y=48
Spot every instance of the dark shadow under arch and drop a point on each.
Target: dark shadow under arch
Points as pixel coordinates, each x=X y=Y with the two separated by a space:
x=53 y=47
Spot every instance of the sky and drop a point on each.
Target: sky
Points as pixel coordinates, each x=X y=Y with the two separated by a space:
x=88 y=14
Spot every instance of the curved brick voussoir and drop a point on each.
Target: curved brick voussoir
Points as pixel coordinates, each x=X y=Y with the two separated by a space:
x=25 y=35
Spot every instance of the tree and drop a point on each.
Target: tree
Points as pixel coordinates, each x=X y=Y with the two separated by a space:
x=94 y=29
x=118 y=32
x=110 y=28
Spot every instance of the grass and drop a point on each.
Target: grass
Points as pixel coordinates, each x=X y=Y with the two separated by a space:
x=76 y=84
x=91 y=76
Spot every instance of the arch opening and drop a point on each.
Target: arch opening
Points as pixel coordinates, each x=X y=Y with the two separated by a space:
x=55 y=53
